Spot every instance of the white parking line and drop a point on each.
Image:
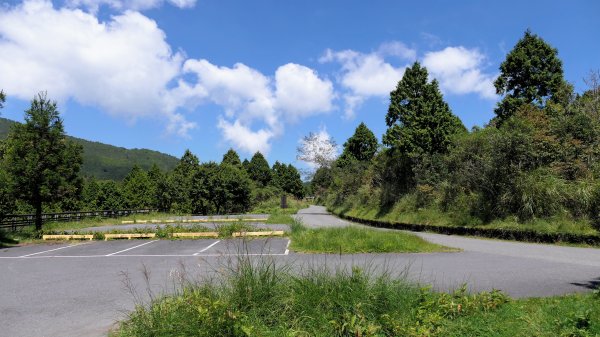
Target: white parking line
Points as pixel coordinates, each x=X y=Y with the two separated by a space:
x=141 y=255
x=51 y=250
x=207 y=248
x=287 y=250
x=124 y=250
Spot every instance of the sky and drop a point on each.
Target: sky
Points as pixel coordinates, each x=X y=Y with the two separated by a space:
x=209 y=75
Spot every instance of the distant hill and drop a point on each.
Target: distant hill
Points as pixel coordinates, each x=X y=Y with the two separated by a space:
x=110 y=162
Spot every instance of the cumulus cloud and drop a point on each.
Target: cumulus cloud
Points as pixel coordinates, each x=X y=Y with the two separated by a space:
x=459 y=71
x=123 y=5
x=123 y=65
x=243 y=138
x=250 y=98
x=366 y=75
x=300 y=92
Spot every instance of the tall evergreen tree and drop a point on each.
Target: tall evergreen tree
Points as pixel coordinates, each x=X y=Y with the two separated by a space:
x=7 y=202
x=232 y=158
x=531 y=74
x=287 y=178
x=42 y=162
x=259 y=169
x=246 y=165
x=180 y=186
x=137 y=189
x=155 y=176
x=362 y=146
x=110 y=196
x=418 y=118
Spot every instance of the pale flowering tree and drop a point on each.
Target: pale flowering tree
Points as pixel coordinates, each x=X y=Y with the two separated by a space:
x=318 y=150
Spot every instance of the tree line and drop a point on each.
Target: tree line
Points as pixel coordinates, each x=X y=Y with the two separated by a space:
x=537 y=158
x=40 y=172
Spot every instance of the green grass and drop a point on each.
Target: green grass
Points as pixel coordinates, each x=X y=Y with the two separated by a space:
x=352 y=240
x=273 y=205
x=432 y=215
x=280 y=218
x=259 y=298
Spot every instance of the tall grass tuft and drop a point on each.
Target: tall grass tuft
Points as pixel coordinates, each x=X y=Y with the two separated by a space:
x=258 y=297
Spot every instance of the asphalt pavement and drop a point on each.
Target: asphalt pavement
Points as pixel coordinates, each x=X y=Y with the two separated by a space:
x=81 y=289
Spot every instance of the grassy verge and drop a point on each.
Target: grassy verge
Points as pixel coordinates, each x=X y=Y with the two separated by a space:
x=273 y=206
x=258 y=298
x=433 y=216
x=352 y=240
x=280 y=219
x=403 y=216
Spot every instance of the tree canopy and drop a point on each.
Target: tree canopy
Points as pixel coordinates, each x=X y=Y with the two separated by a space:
x=259 y=170
x=43 y=164
x=362 y=146
x=232 y=158
x=532 y=73
x=418 y=118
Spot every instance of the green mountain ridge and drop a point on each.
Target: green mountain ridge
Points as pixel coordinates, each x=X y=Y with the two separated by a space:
x=108 y=162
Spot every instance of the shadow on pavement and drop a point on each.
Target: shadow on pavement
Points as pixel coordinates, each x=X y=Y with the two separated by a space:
x=592 y=284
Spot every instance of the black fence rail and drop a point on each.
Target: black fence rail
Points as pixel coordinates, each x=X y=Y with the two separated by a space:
x=14 y=221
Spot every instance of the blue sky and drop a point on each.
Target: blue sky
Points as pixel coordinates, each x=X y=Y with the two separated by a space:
x=259 y=75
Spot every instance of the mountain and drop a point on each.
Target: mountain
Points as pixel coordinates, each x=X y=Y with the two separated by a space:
x=105 y=161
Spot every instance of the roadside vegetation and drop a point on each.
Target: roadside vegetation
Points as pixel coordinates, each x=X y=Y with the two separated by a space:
x=355 y=240
x=260 y=298
x=534 y=168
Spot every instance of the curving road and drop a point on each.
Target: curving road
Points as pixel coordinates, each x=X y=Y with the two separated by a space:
x=520 y=269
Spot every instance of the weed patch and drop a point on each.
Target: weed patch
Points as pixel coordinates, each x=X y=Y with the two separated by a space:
x=259 y=298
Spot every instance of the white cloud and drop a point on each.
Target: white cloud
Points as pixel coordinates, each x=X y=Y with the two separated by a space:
x=300 y=92
x=123 y=5
x=396 y=48
x=250 y=98
x=243 y=138
x=459 y=71
x=123 y=65
x=368 y=75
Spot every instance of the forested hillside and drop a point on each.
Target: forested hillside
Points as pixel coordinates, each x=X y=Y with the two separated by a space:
x=103 y=161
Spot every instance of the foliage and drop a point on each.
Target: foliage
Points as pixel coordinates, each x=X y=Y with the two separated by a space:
x=362 y=145
x=531 y=74
x=181 y=183
x=353 y=301
x=258 y=170
x=43 y=164
x=232 y=158
x=418 y=118
x=287 y=178
x=138 y=189
x=534 y=169
x=354 y=240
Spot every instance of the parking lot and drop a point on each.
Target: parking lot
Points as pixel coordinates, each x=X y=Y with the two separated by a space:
x=152 y=248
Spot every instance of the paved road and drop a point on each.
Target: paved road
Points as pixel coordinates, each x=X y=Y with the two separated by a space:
x=78 y=290
x=520 y=269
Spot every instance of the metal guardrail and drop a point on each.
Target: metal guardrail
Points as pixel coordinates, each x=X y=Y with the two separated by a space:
x=13 y=221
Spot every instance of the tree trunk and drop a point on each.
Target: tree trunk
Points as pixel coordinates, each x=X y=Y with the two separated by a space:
x=38 y=216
